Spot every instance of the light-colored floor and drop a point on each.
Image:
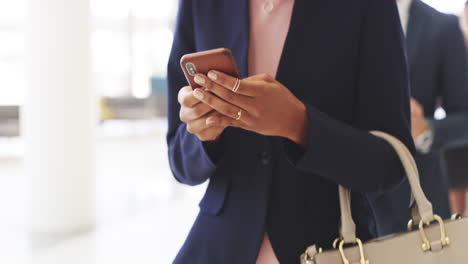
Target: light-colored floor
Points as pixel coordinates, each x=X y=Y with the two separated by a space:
x=143 y=214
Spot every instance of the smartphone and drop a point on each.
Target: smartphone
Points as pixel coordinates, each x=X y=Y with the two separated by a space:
x=202 y=62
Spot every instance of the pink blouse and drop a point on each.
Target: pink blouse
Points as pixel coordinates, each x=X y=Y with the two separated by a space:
x=269 y=25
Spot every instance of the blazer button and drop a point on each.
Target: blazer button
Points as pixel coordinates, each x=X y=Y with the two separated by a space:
x=265 y=158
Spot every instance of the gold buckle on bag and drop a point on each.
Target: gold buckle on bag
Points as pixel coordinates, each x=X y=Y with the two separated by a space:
x=343 y=256
x=456 y=217
x=444 y=239
x=308 y=259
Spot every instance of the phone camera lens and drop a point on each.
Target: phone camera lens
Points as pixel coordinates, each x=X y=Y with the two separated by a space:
x=191 y=68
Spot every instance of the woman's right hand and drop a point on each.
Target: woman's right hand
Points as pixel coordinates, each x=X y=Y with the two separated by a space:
x=199 y=117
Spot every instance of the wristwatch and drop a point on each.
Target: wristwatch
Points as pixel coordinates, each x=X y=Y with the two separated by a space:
x=424 y=141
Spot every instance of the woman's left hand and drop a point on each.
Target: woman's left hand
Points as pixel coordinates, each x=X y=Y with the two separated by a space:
x=260 y=104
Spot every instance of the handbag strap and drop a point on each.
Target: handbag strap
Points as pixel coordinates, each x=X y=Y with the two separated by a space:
x=348 y=227
x=424 y=210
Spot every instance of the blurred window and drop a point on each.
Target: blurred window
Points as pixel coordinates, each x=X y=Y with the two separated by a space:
x=131 y=41
x=447 y=6
x=131 y=44
x=12 y=51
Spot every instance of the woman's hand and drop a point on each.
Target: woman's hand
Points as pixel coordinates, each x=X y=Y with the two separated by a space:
x=261 y=104
x=198 y=116
x=419 y=123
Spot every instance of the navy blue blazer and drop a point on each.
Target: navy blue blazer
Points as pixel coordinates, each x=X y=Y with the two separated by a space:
x=345 y=60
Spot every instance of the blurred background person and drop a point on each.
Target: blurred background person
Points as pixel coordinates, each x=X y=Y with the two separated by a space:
x=456 y=153
x=438 y=70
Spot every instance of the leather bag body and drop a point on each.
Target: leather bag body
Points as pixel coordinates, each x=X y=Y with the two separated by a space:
x=431 y=241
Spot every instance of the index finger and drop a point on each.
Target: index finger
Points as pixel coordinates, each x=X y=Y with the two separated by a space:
x=186 y=98
x=232 y=83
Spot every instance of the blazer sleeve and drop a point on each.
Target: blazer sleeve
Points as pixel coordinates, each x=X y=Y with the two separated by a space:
x=454 y=68
x=348 y=154
x=191 y=161
x=453 y=85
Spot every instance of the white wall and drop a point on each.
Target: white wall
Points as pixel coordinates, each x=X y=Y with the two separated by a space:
x=447 y=6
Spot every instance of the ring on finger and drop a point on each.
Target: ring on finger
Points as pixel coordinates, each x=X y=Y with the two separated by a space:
x=239 y=115
x=236 y=86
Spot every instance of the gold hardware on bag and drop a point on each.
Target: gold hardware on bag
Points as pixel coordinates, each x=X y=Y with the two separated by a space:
x=336 y=243
x=444 y=239
x=456 y=217
x=361 y=252
x=410 y=225
x=308 y=259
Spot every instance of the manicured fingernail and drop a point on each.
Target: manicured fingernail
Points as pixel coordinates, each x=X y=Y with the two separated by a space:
x=212 y=75
x=198 y=94
x=211 y=121
x=199 y=80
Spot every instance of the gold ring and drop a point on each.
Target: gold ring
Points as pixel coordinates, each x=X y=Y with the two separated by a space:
x=236 y=85
x=239 y=115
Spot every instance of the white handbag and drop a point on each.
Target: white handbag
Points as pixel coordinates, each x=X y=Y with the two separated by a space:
x=435 y=241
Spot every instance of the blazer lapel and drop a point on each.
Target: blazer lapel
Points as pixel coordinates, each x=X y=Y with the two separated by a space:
x=303 y=41
x=301 y=17
x=416 y=26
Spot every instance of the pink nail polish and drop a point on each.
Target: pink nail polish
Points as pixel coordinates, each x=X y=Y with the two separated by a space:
x=212 y=75
x=198 y=94
x=199 y=80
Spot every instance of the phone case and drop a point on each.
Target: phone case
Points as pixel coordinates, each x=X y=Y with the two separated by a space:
x=202 y=62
